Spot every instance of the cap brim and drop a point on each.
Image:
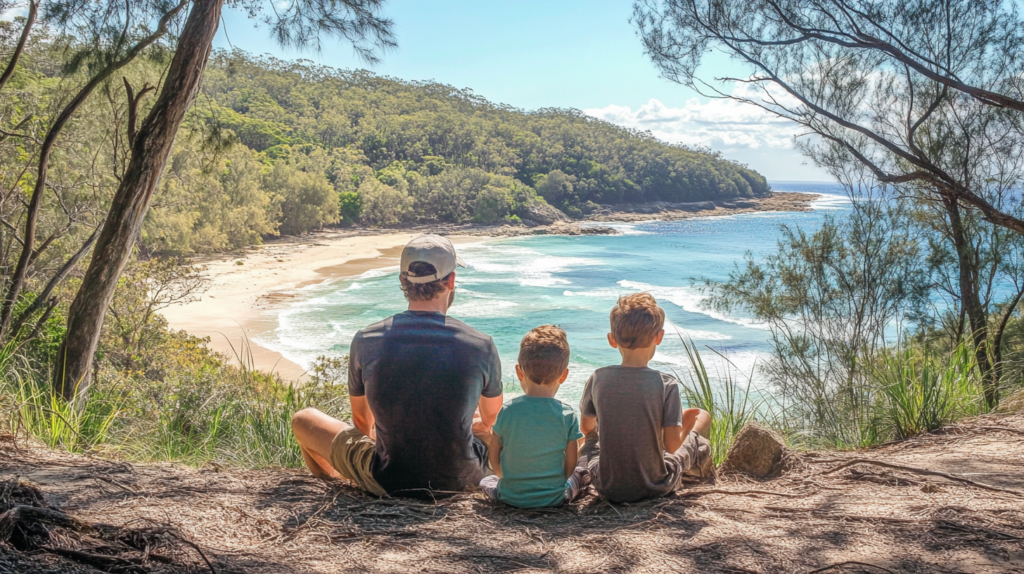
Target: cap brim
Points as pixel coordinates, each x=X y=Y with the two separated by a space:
x=459 y=262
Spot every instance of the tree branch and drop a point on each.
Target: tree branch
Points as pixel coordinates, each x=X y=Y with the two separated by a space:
x=33 y=7
x=21 y=271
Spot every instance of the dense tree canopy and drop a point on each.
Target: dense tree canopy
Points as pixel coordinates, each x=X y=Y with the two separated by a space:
x=283 y=147
x=273 y=106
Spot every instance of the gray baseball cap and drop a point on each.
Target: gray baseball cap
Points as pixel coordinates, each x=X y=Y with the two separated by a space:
x=433 y=249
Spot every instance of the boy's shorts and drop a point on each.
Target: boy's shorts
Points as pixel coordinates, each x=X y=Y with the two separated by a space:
x=678 y=464
x=352 y=457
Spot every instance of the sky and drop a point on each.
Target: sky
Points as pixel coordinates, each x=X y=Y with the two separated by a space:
x=581 y=54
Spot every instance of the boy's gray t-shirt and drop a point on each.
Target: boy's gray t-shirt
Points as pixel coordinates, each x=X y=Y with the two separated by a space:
x=632 y=405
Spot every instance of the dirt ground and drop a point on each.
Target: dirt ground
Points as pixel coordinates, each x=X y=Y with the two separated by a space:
x=824 y=515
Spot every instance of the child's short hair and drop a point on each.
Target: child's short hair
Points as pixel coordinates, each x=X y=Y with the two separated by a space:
x=636 y=320
x=544 y=354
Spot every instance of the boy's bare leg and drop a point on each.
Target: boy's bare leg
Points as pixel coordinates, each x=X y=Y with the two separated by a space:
x=315 y=433
x=697 y=420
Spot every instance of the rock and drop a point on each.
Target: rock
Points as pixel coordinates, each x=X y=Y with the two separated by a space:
x=689 y=207
x=745 y=204
x=756 y=451
x=727 y=204
x=542 y=213
x=704 y=205
x=597 y=230
x=529 y=222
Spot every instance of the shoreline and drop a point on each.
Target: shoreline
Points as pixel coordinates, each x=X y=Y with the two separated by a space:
x=248 y=285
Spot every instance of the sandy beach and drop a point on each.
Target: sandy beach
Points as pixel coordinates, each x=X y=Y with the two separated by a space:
x=245 y=286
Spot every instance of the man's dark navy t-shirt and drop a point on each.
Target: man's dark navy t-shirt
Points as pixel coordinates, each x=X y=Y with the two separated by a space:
x=423 y=374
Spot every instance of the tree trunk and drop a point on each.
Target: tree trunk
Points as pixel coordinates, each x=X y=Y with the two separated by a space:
x=33 y=7
x=28 y=251
x=970 y=299
x=72 y=373
x=997 y=336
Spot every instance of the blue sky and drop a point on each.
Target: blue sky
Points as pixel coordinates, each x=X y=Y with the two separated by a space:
x=580 y=54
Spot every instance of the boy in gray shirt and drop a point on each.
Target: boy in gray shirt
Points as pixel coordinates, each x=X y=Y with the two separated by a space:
x=647 y=440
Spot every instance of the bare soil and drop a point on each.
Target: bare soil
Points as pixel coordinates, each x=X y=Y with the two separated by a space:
x=828 y=513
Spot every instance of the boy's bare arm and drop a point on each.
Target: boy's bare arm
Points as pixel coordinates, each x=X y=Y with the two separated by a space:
x=572 y=456
x=494 y=454
x=672 y=437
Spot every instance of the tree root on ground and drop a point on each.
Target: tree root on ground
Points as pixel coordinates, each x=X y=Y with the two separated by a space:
x=924 y=471
x=32 y=528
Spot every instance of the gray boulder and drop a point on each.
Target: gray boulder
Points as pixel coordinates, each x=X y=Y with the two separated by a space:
x=542 y=213
x=756 y=451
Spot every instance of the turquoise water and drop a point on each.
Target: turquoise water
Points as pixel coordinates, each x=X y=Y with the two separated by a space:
x=512 y=285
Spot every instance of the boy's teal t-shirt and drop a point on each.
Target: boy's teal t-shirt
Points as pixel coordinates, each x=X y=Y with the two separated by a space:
x=534 y=432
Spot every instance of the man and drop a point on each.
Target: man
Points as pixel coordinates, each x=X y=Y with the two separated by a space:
x=415 y=380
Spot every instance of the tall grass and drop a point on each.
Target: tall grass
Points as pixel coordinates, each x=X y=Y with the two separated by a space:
x=237 y=415
x=918 y=390
x=731 y=405
x=908 y=392
x=228 y=414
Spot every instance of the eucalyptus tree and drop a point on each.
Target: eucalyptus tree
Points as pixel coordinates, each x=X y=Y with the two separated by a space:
x=297 y=23
x=927 y=95
x=19 y=48
x=102 y=38
x=869 y=76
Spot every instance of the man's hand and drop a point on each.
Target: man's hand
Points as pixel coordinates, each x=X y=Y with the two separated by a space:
x=479 y=428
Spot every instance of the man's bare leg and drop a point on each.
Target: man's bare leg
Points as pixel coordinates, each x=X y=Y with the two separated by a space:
x=315 y=433
x=698 y=420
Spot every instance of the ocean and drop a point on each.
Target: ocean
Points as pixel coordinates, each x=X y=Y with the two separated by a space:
x=512 y=285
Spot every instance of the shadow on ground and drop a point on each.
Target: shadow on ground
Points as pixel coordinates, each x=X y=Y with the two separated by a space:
x=859 y=518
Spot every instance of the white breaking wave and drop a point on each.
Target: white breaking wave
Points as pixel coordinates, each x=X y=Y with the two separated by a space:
x=621 y=227
x=479 y=308
x=672 y=330
x=738 y=366
x=689 y=300
x=376 y=273
x=830 y=203
x=525 y=266
x=604 y=293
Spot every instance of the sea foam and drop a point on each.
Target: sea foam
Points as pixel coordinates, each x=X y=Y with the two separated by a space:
x=691 y=301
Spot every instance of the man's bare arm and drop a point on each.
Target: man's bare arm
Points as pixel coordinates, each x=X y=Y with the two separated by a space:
x=587 y=424
x=489 y=407
x=362 y=417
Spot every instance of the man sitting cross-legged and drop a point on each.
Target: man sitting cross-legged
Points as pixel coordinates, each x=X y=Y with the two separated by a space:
x=415 y=380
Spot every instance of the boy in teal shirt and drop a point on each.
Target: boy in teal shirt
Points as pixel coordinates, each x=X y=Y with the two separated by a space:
x=534 y=447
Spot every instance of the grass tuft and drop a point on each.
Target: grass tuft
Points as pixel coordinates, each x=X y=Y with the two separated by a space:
x=731 y=405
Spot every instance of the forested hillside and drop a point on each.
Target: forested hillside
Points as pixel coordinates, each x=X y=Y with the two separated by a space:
x=273 y=147
x=392 y=152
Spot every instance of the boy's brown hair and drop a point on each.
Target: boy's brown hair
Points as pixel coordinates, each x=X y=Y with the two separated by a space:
x=544 y=354
x=636 y=320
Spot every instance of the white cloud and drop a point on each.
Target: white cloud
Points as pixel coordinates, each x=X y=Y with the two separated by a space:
x=720 y=124
x=15 y=11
